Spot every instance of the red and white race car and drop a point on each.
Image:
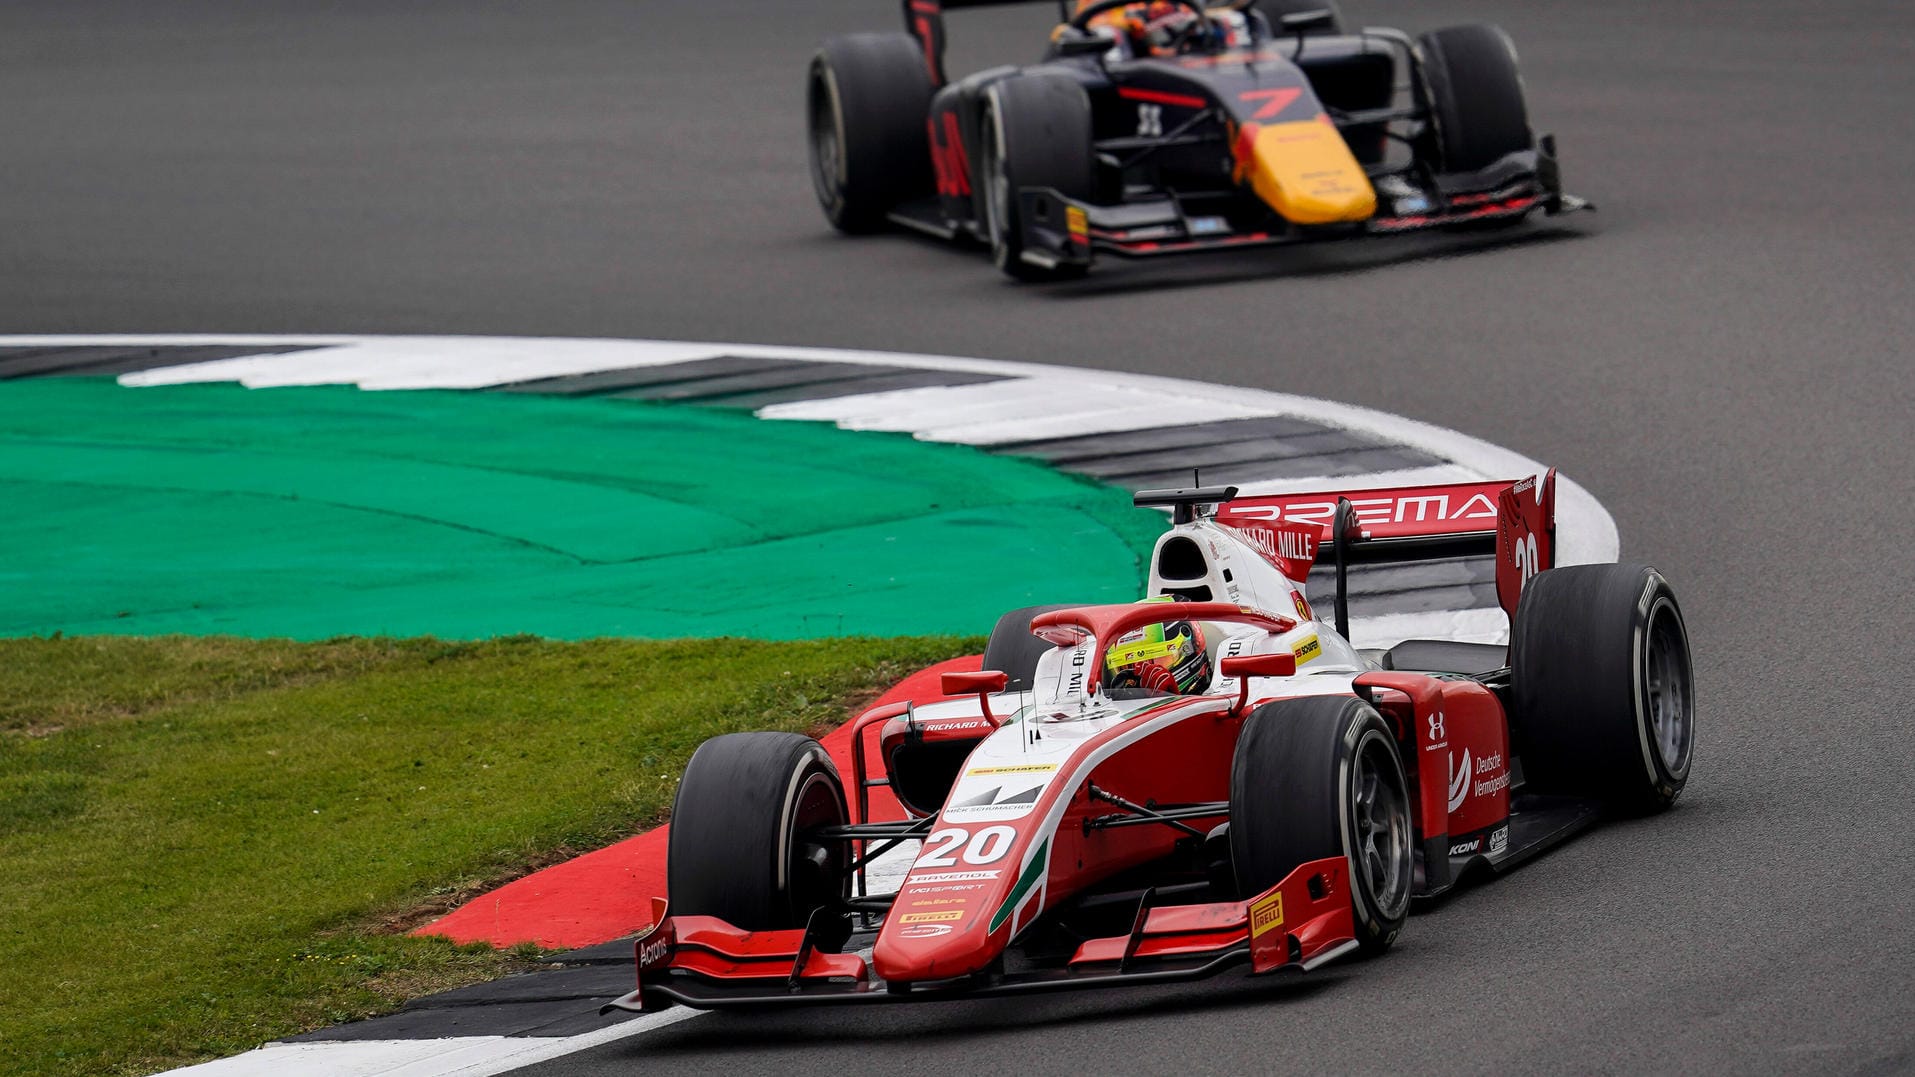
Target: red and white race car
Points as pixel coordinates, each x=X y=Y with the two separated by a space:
x=1083 y=825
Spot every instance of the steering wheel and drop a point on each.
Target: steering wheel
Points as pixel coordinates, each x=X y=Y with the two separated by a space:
x=1081 y=21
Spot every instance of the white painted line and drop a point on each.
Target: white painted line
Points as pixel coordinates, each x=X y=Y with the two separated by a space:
x=1142 y=415
x=460 y=1056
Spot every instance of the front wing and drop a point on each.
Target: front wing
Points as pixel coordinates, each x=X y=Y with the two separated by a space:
x=1060 y=231
x=701 y=961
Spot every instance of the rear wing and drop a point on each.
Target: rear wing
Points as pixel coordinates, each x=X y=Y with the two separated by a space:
x=1513 y=521
x=924 y=19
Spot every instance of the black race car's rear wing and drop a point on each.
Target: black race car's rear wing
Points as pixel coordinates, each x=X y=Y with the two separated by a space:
x=1515 y=521
x=925 y=21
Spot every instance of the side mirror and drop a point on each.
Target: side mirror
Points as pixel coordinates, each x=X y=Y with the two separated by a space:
x=1281 y=664
x=1081 y=44
x=1299 y=22
x=1244 y=667
x=983 y=683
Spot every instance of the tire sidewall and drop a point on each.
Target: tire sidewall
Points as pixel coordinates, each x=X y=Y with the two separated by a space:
x=1003 y=230
x=1658 y=601
x=1378 y=926
x=830 y=189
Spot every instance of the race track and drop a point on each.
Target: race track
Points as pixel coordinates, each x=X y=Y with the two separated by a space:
x=1719 y=356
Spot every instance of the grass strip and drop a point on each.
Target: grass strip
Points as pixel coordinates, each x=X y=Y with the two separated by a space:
x=206 y=840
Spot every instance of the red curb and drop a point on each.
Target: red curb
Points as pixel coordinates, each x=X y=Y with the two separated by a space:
x=607 y=894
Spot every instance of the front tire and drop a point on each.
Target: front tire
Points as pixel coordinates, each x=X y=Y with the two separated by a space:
x=866 y=102
x=740 y=847
x=1601 y=684
x=1036 y=133
x=1320 y=777
x=1475 y=97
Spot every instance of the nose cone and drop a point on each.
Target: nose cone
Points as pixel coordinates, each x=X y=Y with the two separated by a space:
x=935 y=945
x=1305 y=171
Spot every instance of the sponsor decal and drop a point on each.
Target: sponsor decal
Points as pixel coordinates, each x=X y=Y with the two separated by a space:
x=931 y=917
x=1077 y=221
x=951 y=725
x=1486 y=765
x=1080 y=656
x=925 y=931
x=953 y=888
x=654 y=951
x=1143 y=650
x=1447 y=508
x=1459 y=780
x=1027 y=768
x=1464 y=848
x=1436 y=727
x=1266 y=914
x=993 y=803
x=1291 y=550
x=1307 y=650
x=922 y=903
x=1303 y=606
x=1498 y=840
x=918 y=878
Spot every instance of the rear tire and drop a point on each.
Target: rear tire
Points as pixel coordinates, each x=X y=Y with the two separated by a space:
x=1013 y=651
x=1475 y=96
x=1601 y=686
x=1320 y=777
x=1036 y=133
x=738 y=848
x=867 y=101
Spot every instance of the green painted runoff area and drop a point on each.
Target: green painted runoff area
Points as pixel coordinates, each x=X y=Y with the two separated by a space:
x=327 y=511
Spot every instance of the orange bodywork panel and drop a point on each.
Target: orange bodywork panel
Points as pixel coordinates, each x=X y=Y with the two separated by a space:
x=1305 y=171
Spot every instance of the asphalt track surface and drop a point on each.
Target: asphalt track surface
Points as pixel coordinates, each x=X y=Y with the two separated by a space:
x=1720 y=356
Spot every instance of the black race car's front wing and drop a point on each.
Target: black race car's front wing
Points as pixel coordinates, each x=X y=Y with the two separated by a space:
x=1060 y=231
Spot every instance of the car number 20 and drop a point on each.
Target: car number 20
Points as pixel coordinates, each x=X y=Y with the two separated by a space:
x=980 y=847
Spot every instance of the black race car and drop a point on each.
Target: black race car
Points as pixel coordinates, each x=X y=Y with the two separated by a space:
x=1169 y=127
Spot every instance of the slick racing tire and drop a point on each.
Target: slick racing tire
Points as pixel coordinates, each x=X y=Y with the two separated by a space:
x=866 y=100
x=1475 y=96
x=1320 y=777
x=1273 y=12
x=741 y=845
x=1602 y=693
x=1013 y=651
x=1036 y=132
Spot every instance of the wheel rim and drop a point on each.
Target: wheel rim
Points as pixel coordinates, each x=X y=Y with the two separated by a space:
x=1671 y=718
x=827 y=152
x=816 y=868
x=1382 y=848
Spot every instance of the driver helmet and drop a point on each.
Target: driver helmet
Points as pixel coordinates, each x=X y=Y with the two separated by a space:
x=1144 y=26
x=1164 y=657
x=1151 y=28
